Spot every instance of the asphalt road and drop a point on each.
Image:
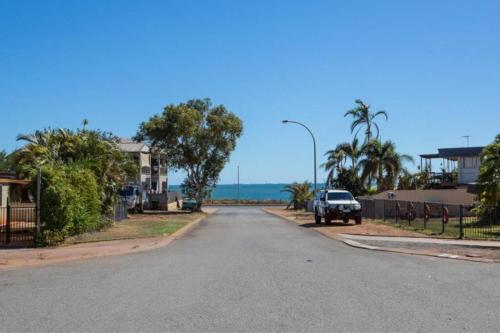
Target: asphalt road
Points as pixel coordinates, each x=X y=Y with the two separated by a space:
x=245 y=270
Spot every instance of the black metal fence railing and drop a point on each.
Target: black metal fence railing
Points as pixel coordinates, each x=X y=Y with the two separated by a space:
x=446 y=220
x=482 y=224
x=17 y=224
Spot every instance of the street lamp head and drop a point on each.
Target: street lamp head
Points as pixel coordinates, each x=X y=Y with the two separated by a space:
x=284 y=121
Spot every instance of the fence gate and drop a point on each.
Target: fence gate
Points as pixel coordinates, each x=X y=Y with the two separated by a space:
x=17 y=224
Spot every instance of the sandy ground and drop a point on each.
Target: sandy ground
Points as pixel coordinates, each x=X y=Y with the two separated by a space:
x=369 y=228
x=306 y=219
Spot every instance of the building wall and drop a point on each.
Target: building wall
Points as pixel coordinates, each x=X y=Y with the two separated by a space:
x=468 y=169
x=449 y=196
x=4 y=194
x=147 y=176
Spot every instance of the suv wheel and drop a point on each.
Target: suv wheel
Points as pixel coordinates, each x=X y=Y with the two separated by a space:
x=358 y=220
x=317 y=217
x=345 y=220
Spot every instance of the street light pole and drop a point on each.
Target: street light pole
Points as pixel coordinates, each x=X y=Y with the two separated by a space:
x=314 y=144
x=238 y=185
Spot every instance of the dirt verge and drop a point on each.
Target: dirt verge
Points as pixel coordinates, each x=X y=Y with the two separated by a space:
x=17 y=258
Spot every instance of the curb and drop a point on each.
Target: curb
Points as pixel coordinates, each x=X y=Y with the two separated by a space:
x=146 y=244
x=359 y=245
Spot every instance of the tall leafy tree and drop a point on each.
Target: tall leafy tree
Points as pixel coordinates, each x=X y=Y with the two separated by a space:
x=489 y=174
x=197 y=138
x=5 y=161
x=382 y=163
x=336 y=158
x=363 y=116
x=94 y=150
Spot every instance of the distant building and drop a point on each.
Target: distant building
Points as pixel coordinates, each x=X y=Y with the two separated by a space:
x=457 y=166
x=152 y=164
x=11 y=188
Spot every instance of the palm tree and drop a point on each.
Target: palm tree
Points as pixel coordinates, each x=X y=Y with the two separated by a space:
x=299 y=194
x=334 y=161
x=336 y=158
x=94 y=150
x=352 y=151
x=362 y=116
x=383 y=163
x=5 y=161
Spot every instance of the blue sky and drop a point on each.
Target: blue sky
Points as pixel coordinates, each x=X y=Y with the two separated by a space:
x=433 y=65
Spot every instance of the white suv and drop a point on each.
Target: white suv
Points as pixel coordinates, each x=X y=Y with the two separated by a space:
x=336 y=205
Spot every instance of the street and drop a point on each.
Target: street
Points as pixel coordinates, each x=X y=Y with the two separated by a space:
x=246 y=270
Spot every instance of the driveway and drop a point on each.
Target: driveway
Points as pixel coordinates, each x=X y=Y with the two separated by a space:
x=245 y=270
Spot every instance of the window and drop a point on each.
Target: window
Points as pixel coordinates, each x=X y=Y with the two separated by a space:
x=469 y=162
x=340 y=196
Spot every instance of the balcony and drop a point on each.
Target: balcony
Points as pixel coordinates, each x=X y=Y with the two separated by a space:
x=441 y=180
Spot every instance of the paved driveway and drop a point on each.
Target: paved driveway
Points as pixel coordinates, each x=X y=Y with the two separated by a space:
x=245 y=270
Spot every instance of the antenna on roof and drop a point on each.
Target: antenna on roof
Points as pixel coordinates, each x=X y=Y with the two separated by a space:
x=466 y=136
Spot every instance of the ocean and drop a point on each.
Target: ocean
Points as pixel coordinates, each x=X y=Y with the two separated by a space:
x=247 y=191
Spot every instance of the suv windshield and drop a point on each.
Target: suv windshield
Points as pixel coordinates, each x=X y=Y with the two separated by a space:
x=340 y=196
x=126 y=192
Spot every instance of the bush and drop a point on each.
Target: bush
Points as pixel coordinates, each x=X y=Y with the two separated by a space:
x=70 y=203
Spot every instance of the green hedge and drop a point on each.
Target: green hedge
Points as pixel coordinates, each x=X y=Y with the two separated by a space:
x=70 y=203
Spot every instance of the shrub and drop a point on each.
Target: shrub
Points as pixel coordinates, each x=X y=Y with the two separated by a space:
x=70 y=202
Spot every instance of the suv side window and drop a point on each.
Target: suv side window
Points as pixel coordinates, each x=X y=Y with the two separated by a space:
x=322 y=197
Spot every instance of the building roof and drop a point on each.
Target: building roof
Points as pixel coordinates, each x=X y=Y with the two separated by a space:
x=10 y=181
x=455 y=152
x=460 y=152
x=130 y=146
x=429 y=155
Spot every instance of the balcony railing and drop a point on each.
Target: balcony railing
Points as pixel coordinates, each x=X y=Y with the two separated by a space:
x=442 y=179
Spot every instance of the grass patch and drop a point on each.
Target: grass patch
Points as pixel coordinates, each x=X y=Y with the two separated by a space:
x=139 y=226
x=434 y=228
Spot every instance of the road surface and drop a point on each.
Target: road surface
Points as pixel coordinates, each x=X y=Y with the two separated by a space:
x=245 y=270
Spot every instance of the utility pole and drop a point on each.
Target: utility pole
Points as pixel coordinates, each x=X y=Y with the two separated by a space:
x=238 y=185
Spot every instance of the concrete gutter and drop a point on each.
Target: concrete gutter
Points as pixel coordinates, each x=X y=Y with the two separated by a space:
x=356 y=241
x=426 y=240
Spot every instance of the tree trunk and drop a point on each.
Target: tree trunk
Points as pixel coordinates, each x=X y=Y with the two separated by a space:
x=199 y=199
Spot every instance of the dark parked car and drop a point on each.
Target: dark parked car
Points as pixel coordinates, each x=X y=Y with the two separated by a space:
x=189 y=204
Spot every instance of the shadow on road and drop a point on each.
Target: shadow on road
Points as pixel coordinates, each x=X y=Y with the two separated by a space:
x=322 y=225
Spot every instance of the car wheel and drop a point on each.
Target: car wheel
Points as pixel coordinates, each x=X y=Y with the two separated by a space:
x=358 y=220
x=345 y=220
x=317 y=217
x=328 y=220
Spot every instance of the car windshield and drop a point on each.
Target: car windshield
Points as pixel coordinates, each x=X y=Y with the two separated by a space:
x=340 y=196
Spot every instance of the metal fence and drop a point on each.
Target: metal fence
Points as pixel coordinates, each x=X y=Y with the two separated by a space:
x=120 y=212
x=17 y=224
x=445 y=220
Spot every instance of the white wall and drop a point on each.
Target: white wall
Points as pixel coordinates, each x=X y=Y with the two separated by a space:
x=450 y=196
x=4 y=189
x=468 y=169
